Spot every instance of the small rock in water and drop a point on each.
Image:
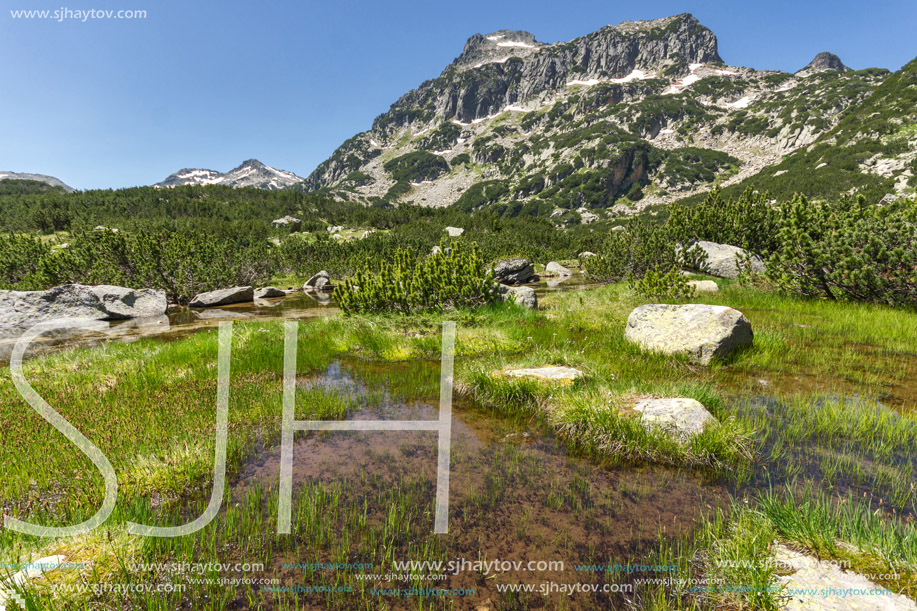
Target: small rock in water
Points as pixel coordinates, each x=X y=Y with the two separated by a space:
x=557 y=269
x=236 y=294
x=319 y=282
x=551 y=373
x=269 y=292
x=682 y=417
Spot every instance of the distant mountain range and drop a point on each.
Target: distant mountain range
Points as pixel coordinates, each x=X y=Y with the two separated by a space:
x=251 y=173
x=51 y=180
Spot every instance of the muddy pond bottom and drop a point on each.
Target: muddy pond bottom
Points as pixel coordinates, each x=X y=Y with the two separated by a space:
x=523 y=514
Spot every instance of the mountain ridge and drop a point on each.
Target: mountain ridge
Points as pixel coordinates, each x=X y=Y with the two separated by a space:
x=630 y=116
x=51 y=180
x=250 y=173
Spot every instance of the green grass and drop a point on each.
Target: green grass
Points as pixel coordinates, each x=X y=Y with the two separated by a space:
x=835 y=471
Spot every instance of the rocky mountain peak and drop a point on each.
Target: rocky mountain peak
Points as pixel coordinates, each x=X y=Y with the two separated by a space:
x=496 y=47
x=826 y=61
x=631 y=115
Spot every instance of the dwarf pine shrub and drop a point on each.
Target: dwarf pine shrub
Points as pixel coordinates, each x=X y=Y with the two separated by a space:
x=663 y=286
x=453 y=277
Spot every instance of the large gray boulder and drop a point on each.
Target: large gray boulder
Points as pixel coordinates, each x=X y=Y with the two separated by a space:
x=319 y=282
x=703 y=332
x=684 y=418
x=520 y=295
x=454 y=232
x=725 y=261
x=236 y=294
x=513 y=271
x=20 y=310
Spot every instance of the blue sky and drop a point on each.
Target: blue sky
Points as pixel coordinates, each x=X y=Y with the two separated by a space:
x=115 y=103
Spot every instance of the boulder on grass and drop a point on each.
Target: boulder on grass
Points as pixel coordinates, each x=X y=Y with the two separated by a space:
x=20 y=310
x=586 y=254
x=725 y=261
x=236 y=294
x=319 y=282
x=520 y=295
x=703 y=332
x=683 y=418
x=269 y=292
x=704 y=286
x=557 y=269
x=513 y=271
x=454 y=232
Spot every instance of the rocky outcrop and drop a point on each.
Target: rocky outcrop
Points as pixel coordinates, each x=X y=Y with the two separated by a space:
x=513 y=271
x=825 y=61
x=726 y=261
x=319 y=282
x=684 y=418
x=520 y=295
x=454 y=232
x=236 y=294
x=287 y=222
x=702 y=332
x=20 y=310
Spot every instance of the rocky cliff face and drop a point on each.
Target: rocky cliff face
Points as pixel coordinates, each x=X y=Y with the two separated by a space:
x=631 y=115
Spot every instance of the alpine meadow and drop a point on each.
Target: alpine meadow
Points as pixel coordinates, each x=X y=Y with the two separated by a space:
x=605 y=323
